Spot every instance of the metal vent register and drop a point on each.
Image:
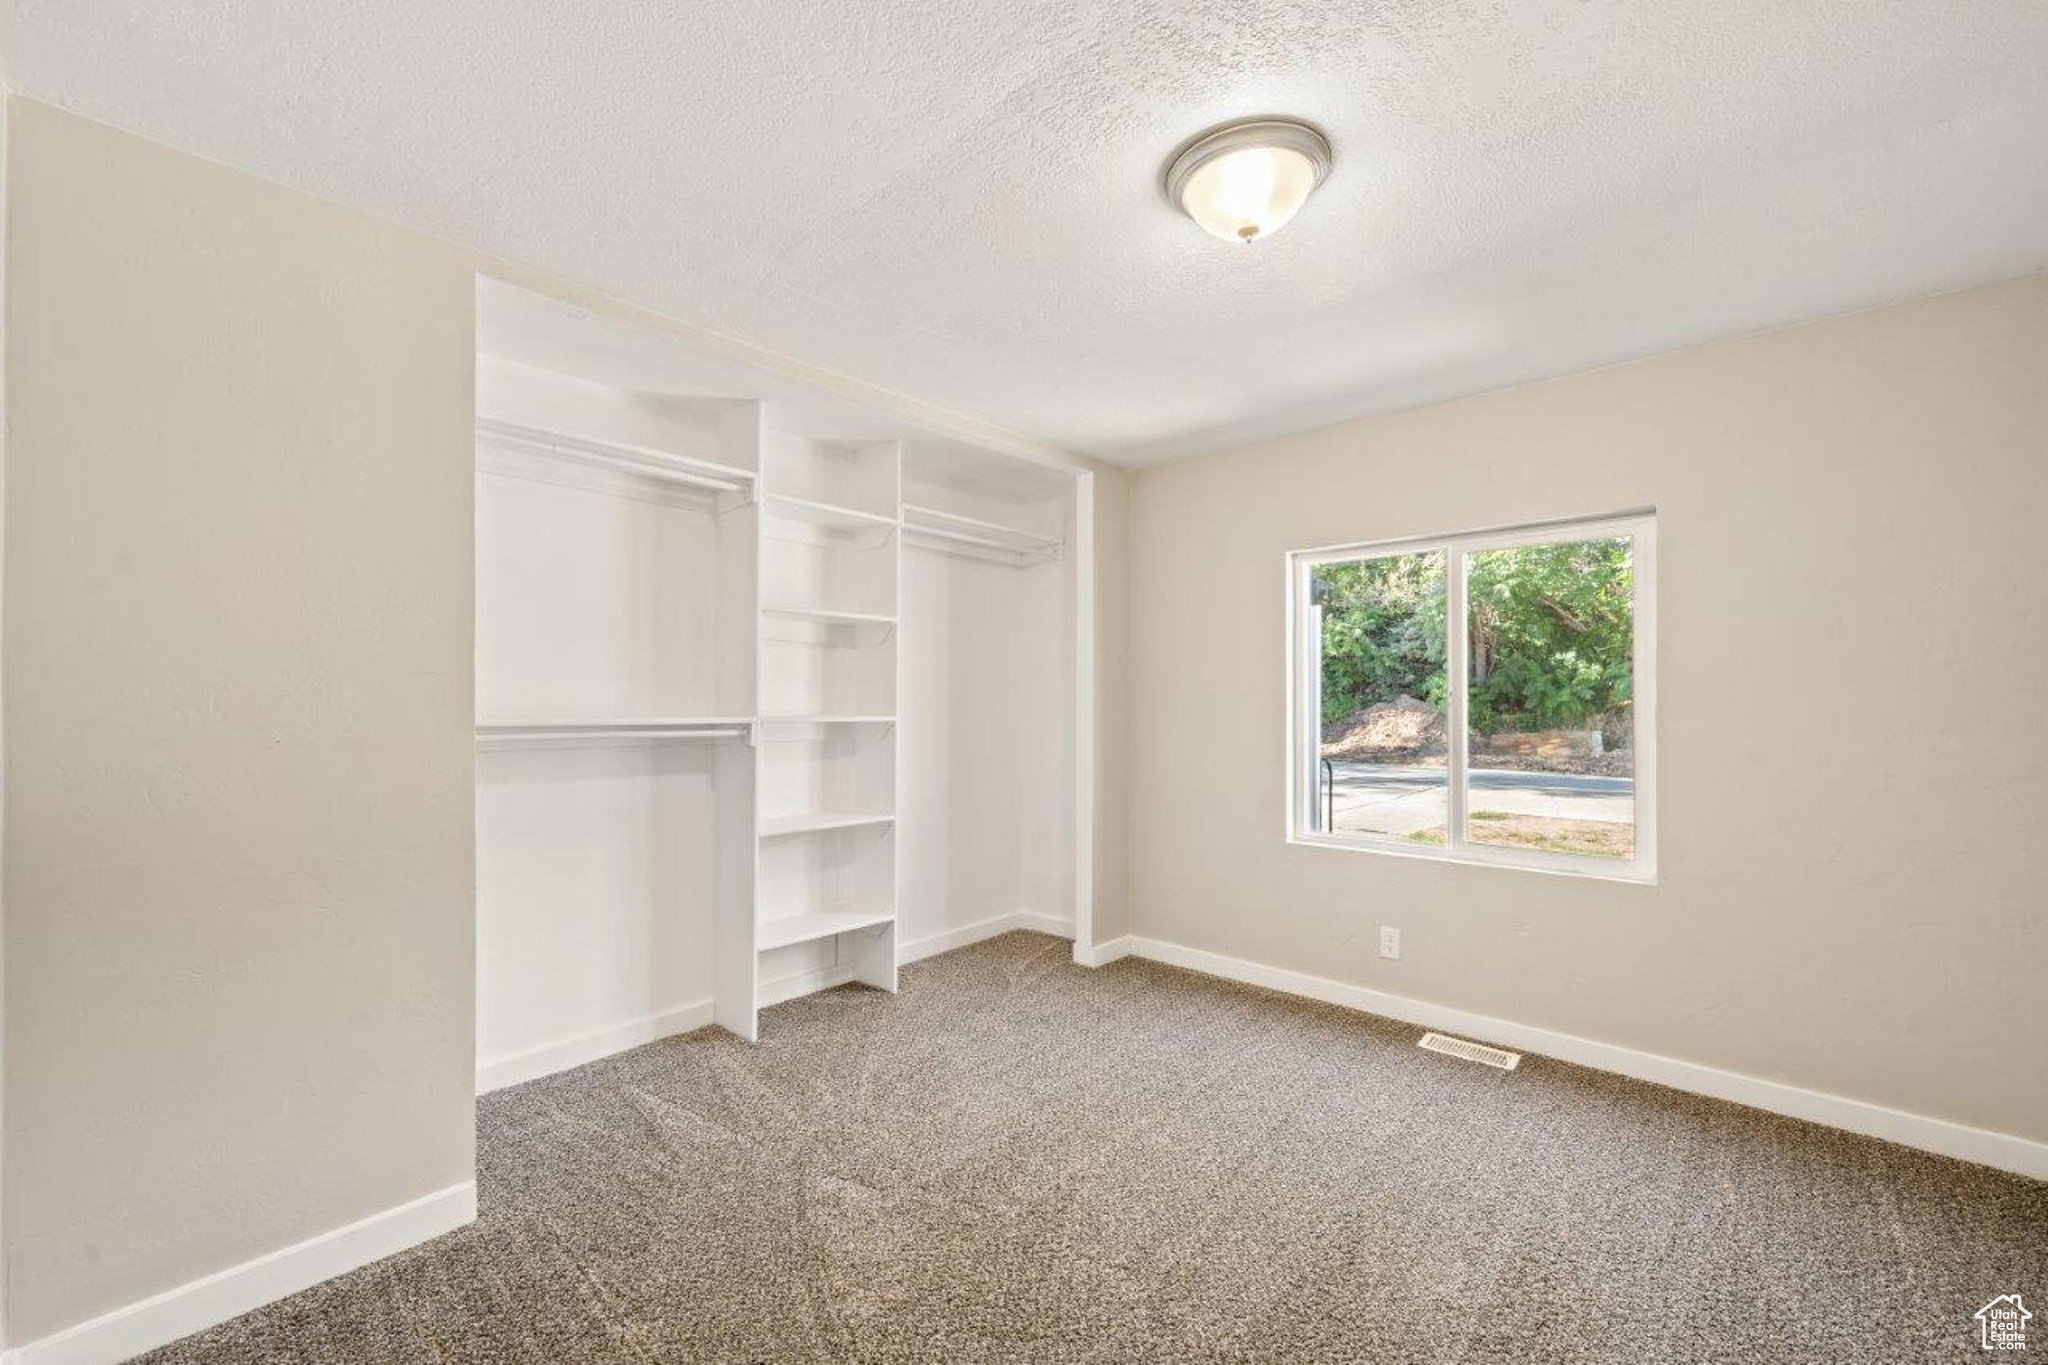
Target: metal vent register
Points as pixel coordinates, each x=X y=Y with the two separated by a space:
x=1471 y=1052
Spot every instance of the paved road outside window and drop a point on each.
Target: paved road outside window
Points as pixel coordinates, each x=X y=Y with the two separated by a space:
x=1391 y=798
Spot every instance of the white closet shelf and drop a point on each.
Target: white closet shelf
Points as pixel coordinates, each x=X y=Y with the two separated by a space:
x=938 y=524
x=823 y=617
x=784 y=930
x=776 y=826
x=499 y=732
x=666 y=466
x=828 y=720
x=823 y=513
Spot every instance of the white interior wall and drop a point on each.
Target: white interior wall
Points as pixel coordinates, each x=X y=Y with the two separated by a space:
x=985 y=742
x=1044 y=707
x=592 y=603
x=595 y=895
x=806 y=567
x=598 y=596
x=1104 y=793
x=802 y=676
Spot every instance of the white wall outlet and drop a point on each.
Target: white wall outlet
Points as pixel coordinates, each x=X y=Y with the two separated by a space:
x=1390 y=942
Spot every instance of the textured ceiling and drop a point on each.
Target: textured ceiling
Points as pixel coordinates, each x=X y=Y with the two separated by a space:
x=960 y=201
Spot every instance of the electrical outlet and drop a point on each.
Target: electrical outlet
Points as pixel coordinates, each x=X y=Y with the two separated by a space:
x=1390 y=942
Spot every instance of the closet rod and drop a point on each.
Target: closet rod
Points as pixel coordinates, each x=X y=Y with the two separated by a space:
x=664 y=465
x=939 y=522
x=1012 y=554
x=594 y=734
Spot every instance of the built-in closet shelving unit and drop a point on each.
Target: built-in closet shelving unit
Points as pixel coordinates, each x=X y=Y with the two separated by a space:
x=691 y=691
x=826 y=905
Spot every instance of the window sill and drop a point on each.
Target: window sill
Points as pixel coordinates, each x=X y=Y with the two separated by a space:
x=1639 y=872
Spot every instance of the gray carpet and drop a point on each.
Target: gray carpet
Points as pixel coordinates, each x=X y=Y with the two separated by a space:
x=1020 y=1160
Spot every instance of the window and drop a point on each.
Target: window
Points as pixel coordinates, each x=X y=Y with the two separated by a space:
x=1487 y=697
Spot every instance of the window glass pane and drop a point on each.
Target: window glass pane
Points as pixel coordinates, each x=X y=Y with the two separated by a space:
x=1382 y=756
x=1551 y=721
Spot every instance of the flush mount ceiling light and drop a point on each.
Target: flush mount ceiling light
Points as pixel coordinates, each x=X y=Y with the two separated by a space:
x=1244 y=180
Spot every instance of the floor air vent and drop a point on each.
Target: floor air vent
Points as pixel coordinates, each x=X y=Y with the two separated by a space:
x=1471 y=1052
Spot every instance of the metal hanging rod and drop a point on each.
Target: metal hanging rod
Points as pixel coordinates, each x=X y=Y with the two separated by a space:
x=500 y=735
x=1010 y=544
x=664 y=465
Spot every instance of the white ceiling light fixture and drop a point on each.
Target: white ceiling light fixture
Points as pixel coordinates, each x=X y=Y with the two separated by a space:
x=1243 y=181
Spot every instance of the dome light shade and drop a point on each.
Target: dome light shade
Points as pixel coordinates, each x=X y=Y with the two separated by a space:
x=1244 y=181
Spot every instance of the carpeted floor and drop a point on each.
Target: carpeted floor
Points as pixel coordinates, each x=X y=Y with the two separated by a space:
x=1020 y=1160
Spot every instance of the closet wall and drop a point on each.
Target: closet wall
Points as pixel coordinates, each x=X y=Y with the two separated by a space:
x=614 y=670
x=988 y=717
x=773 y=691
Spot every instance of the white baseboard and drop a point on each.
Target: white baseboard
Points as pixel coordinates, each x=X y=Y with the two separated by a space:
x=1102 y=954
x=1045 y=924
x=193 y=1307
x=2003 y=1151
x=580 y=1048
x=933 y=944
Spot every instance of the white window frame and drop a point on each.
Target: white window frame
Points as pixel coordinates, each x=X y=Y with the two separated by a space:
x=1304 y=696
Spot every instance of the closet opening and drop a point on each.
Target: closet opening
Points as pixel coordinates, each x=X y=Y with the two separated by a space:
x=777 y=690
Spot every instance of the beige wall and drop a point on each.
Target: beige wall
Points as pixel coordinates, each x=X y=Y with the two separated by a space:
x=4 y=120
x=238 y=951
x=1853 y=662
x=237 y=602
